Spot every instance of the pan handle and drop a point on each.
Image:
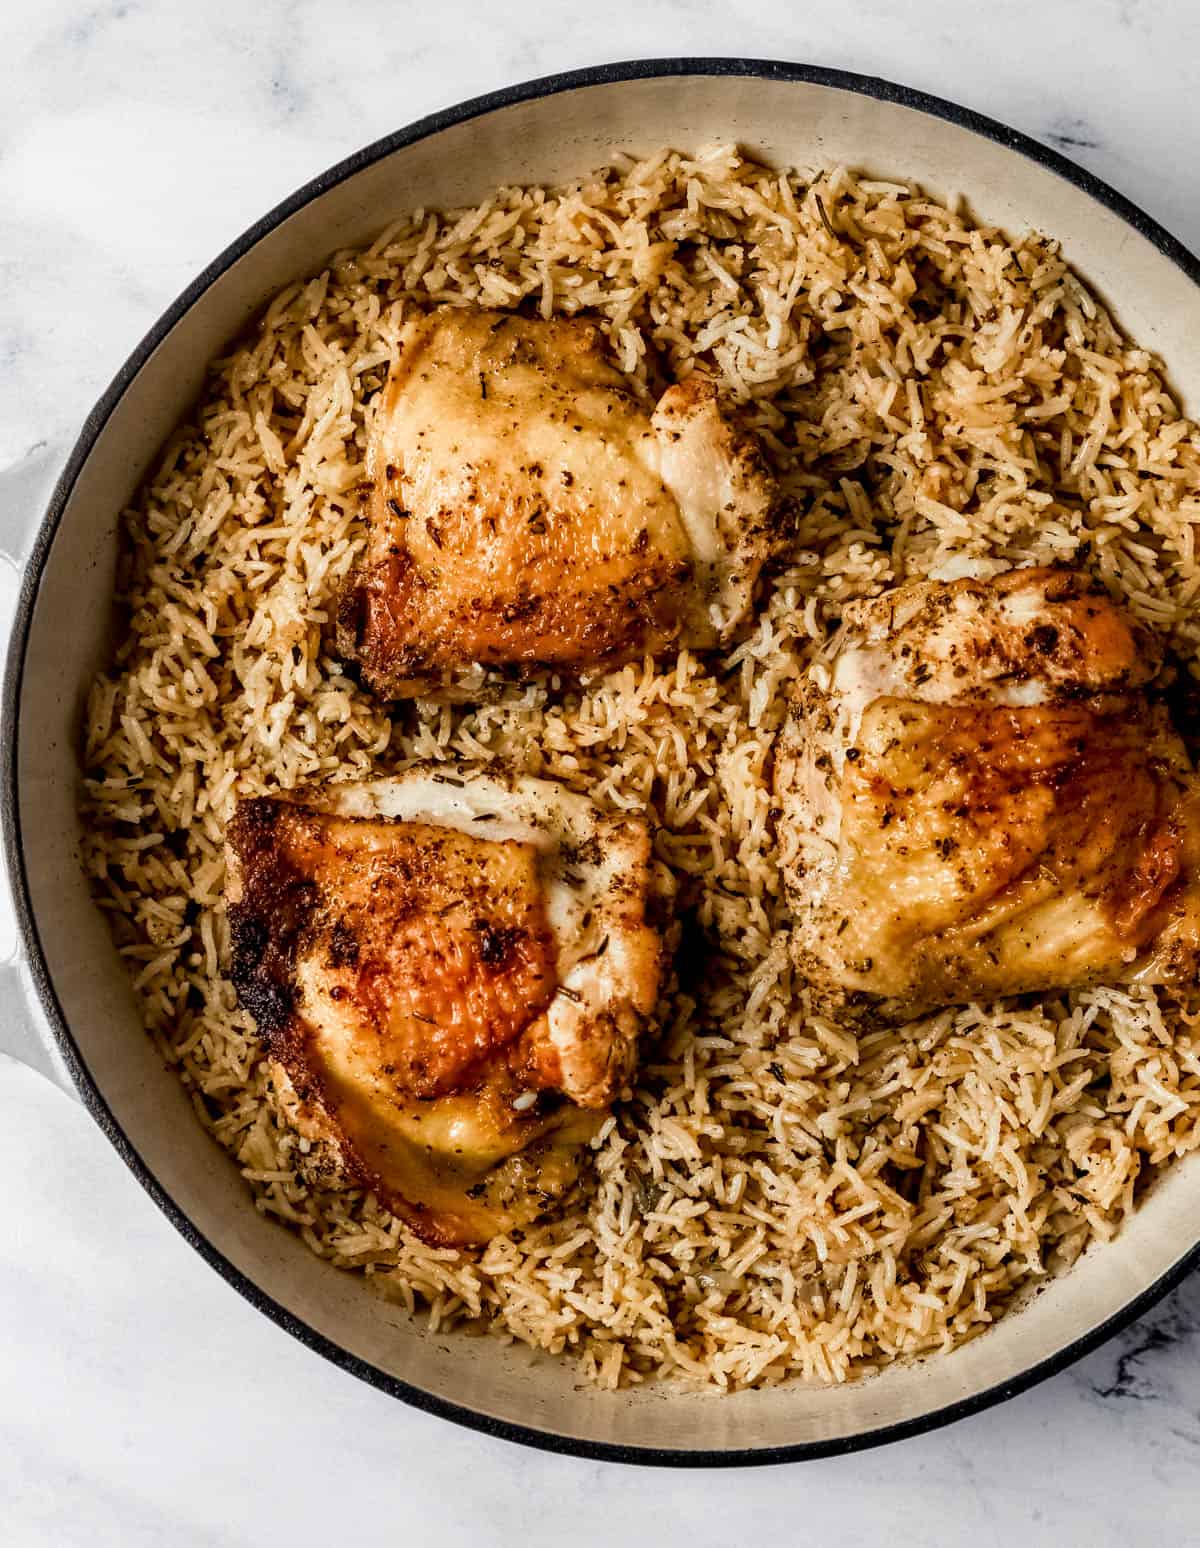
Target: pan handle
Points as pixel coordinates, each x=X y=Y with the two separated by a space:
x=24 y=490
x=24 y=1035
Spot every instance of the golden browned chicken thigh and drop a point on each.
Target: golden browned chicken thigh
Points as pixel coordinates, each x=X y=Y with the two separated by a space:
x=527 y=512
x=979 y=796
x=449 y=972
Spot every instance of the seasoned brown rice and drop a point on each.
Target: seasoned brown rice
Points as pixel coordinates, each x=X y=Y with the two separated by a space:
x=777 y=1196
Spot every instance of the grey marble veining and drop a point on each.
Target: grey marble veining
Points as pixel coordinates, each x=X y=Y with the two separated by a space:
x=141 y=1401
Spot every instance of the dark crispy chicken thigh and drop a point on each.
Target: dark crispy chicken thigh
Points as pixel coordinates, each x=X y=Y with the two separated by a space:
x=527 y=512
x=450 y=972
x=980 y=797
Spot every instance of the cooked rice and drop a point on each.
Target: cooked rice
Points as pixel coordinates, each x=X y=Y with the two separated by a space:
x=778 y=1196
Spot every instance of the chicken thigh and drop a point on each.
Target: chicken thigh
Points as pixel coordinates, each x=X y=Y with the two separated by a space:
x=450 y=971
x=527 y=512
x=980 y=795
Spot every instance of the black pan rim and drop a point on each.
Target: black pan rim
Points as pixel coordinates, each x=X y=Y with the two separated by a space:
x=432 y=124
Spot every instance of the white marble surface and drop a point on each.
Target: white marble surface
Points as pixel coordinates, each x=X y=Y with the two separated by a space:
x=141 y=1401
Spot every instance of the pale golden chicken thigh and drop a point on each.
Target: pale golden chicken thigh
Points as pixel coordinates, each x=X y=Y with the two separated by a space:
x=527 y=512
x=450 y=972
x=981 y=795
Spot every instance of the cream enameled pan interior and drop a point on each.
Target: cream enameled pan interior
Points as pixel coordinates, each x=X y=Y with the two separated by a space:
x=540 y=140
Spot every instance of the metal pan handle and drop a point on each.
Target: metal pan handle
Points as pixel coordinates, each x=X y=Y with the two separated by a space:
x=24 y=491
x=24 y=1035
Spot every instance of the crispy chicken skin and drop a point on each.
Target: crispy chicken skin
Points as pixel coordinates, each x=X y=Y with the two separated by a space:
x=979 y=797
x=450 y=971
x=526 y=512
